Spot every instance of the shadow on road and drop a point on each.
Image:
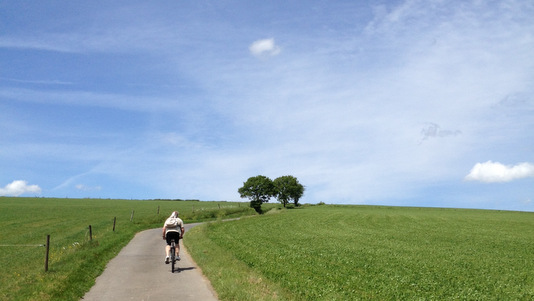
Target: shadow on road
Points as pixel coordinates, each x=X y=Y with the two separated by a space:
x=178 y=270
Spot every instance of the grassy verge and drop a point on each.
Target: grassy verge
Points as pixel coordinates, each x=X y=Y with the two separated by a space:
x=231 y=277
x=363 y=253
x=75 y=260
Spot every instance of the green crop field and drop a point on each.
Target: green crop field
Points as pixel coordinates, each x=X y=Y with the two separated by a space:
x=74 y=260
x=369 y=253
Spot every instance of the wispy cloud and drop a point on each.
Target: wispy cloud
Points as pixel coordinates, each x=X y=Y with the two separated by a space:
x=83 y=187
x=119 y=37
x=433 y=130
x=37 y=82
x=93 y=99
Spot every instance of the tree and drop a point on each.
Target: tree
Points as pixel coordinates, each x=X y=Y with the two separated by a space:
x=258 y=190
x=288 y=188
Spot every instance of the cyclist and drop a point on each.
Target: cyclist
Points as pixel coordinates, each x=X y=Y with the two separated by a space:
x=173 y=229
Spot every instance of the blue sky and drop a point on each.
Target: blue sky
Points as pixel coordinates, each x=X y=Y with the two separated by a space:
x=405 y=103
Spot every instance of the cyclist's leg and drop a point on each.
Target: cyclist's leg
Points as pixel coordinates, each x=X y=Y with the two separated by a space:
x=167 y=247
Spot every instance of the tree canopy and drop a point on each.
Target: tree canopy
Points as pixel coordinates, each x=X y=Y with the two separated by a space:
x=288 y=188
x=258 y=190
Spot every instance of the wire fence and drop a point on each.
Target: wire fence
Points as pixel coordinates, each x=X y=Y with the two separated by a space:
x=22 y=245
x=47 y=244
x=89 y=232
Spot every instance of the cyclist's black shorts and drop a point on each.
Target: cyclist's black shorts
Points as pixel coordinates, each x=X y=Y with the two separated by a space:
x=172 y=235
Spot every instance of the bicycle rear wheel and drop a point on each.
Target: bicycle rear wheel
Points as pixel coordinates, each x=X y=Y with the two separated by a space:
x=173 y=255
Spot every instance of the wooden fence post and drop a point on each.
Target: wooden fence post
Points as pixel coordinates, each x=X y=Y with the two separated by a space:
x=47 y=252
x=158 y=210
x=90 y=233
x=114 y=222
x=131 y=217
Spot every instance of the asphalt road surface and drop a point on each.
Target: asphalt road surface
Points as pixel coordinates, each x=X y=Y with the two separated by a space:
x=138 y=272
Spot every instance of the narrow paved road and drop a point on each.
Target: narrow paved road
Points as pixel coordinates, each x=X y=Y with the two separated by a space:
x=138 y=272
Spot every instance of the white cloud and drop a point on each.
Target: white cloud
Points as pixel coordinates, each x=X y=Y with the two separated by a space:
x=265 y=47
x=490 y=172
x=19 y=187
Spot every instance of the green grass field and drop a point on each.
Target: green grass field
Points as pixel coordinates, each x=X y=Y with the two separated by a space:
x=370 y=253
x=74 y=260
x=313 y=253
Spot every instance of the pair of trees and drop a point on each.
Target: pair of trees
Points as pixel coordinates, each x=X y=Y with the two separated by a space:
x=260 y=189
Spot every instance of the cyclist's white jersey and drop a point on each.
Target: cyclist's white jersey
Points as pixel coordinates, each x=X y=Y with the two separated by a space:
x=178 y=228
